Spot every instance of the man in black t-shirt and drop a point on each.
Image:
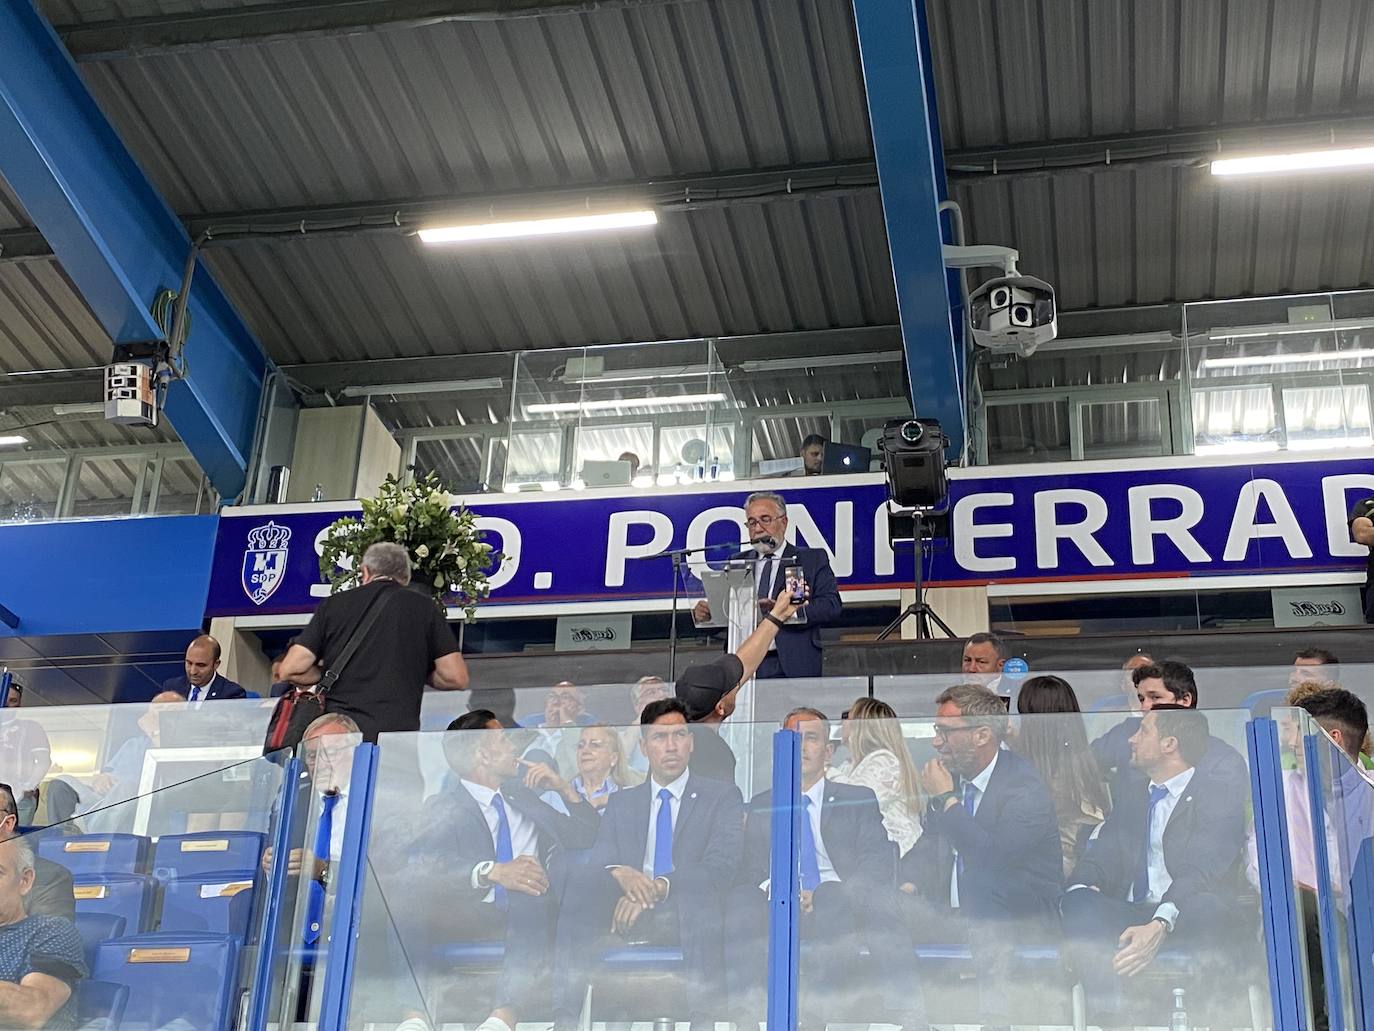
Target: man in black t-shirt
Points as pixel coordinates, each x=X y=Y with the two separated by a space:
x=1362 y=529
x=409 y=645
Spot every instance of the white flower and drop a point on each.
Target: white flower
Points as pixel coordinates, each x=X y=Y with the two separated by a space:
x=422 y=551
x=460 y=562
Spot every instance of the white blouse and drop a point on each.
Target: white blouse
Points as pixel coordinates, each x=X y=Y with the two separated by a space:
x=880 y=771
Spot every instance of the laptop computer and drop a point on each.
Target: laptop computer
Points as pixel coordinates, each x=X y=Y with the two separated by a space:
x=838 y=459
x=606 y=474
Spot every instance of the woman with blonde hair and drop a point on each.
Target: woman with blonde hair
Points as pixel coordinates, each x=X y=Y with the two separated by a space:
x=601 y=767
x=879 y=760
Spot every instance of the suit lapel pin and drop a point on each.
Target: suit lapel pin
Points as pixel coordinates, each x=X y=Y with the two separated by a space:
x=692 y=795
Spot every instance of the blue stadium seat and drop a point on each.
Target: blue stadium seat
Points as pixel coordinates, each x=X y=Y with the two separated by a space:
x=174 y=979
x=1261 y=703
x=179 y=856
x=91 y=854
x=95 y=928
x=100 y=1005
x=208 y=904
x=131 y=896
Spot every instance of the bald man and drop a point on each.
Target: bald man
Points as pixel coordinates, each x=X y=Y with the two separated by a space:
x=40 y=956
x=201 y=682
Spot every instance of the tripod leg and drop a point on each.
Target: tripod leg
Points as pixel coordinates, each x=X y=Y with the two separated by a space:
x=940 y=622
x=892 y=627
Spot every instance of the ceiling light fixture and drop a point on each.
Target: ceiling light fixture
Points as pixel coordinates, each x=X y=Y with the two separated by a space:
x=539 y=227
x=1303 y=161
x=613 y=403
x=1294 y=358
x=11 y=439
x=446 y=386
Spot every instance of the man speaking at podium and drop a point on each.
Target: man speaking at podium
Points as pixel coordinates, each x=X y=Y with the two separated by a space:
x=797 y=650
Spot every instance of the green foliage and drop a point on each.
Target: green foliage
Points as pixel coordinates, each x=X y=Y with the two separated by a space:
x=447 y=553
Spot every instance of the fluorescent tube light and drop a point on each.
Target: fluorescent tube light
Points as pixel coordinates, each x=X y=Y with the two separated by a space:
x=1296 y=358
x=539 y=227
x=446 y=386
x=611 y=404
x=84 y=408
x=1304 y=161
x=10 y=439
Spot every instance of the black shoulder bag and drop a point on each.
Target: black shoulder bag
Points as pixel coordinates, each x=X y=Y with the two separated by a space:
x=301 y=706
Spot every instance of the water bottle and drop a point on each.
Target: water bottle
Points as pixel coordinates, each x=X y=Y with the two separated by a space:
x=318 y=493
x=715 y=467
x=1178 y=1019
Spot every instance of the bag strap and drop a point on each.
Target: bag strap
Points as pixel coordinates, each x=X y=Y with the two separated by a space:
x=369 y=619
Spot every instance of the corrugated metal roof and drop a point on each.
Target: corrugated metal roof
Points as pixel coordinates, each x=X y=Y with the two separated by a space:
x=44 y=323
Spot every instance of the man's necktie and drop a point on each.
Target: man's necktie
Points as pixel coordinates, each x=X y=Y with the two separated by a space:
x=504 y=851
x=765 y=578
x=324 y=833
x=1140 y=890
x=810 y=861
x=970 y=796
x=663 y=834
x=195 y=694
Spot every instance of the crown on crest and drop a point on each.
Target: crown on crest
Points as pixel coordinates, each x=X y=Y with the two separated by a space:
x=270 y=537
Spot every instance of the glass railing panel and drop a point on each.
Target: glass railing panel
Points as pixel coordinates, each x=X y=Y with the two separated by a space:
x=477 y=909
x=993 y=869
x=147 y=927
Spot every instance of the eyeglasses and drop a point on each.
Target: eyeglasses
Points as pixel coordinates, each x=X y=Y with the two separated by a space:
x=943 y=732
x=763 y=522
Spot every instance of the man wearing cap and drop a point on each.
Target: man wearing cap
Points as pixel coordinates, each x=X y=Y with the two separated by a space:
x=796 y=652
x=709 y=690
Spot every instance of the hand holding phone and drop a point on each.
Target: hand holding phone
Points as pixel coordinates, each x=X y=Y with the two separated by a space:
x=796 y=583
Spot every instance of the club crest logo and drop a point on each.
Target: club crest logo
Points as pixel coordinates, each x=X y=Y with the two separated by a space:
x=264 y=561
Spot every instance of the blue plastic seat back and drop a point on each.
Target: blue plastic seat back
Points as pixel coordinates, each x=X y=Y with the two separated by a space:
x=90 y=854
x=95 y=928
x=179 y=856
x=184 y=980
x=100 y=1005
x=209 y=904
x=131 y=896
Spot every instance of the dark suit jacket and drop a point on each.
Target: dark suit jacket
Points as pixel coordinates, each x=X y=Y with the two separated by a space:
x=457 y=837
x=851 y=829
x=1013 y=864
x=799 y=647
x=708 y=840
x=220 y=687
x=1204 y=843
x=1221 y=762
x=51 y=894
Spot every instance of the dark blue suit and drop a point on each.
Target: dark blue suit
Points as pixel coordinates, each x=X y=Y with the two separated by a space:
x=1203 y=843
x=799 y=647
x=220 y=687
x=847 y=914
x=708 y=846
x=456 y=839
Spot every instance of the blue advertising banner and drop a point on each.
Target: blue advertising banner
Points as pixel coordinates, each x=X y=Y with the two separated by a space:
x=1155 y=519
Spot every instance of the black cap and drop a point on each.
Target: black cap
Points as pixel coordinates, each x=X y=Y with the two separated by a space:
x=701 y=687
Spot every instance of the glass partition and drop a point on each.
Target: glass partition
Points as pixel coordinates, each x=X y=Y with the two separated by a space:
x=145 y=927
x=980 y=869
x=80 y=762
x=499 y=886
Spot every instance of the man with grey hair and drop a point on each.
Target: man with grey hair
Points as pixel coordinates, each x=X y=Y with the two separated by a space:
x=797 y=650
x=41 y=957
x=407 y=645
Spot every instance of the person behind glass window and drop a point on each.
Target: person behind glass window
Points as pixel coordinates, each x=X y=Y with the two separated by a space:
x=1055 y=740
x=812 y=456
x=1166 y=866
x=25 y=757
x=848 y=868
x=983 y=657
x=119 y=778
x=642 y=692
x=565 y=708
x=202 y=681
x=41 y=957
x=666 y=853
x=1128 y=668
x=880 y=761
x=51 y=894
x=1315 y=664
x=601 y=769
x=1362 y=531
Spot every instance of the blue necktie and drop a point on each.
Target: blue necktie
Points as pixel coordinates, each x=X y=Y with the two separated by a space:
x=504 y=852
x=970 y=796
x=663 y=834
x=195 y=694
x=1140 y=890
x=314 y=906
x=810 y=862
x=765 y=578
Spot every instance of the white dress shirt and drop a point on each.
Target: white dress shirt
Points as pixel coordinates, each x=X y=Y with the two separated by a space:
x=339 y=820
x=980 y=785
x=524 y=836
x=1160 y=878
x=675 y=789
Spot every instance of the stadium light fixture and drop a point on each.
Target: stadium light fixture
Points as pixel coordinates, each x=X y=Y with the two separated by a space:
x=1301 y=161
x=539 y=227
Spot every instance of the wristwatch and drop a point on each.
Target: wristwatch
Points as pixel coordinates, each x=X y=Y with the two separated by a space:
x=774 y=620
x=482 y=871
x=938 y=802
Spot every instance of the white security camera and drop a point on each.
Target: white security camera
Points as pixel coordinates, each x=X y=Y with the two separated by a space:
x=1013 y=315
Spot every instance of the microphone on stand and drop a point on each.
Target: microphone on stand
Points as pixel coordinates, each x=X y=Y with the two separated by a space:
x=764 y=546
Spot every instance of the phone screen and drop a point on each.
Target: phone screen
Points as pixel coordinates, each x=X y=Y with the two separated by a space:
x=796 y=583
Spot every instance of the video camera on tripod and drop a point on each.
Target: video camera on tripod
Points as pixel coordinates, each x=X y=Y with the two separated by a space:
x=914 y=457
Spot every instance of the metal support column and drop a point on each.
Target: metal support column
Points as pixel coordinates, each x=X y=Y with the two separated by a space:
x=784 y=881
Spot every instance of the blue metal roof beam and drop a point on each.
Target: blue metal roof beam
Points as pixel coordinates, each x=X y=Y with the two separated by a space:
x=120 y=243
x=911 y=177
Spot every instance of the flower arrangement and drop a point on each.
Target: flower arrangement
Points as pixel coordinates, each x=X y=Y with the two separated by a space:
x=447 y=553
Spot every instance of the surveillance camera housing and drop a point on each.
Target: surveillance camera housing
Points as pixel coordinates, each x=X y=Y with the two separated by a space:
x=1013 y=315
